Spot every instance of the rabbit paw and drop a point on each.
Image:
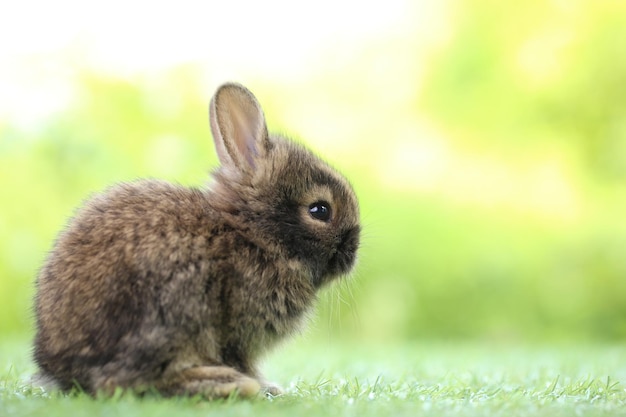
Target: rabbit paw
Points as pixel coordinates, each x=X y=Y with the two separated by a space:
x=270 y=389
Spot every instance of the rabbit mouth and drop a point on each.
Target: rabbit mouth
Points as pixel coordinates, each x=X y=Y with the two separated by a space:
x=344 y=257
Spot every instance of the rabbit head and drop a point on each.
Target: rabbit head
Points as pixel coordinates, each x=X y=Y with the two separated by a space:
x=287 y=197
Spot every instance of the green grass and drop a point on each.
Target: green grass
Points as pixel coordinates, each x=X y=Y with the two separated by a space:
x=333 y=379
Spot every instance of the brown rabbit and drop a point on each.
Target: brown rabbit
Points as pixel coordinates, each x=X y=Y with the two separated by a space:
x=157 y=286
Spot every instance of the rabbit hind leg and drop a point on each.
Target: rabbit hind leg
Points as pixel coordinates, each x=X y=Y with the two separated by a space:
x=210 y=382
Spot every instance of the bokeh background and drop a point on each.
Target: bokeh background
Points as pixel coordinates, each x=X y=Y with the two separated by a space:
x=486 y=140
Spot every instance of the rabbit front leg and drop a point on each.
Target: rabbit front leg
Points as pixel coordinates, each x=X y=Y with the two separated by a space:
x=209 y=382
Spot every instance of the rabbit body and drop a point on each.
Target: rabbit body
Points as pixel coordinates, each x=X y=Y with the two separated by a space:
x=154 y=285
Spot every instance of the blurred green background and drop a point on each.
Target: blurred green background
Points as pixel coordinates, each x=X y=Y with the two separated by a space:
x=486 y=141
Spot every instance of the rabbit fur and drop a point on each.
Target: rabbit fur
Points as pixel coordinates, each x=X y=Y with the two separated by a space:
x=156 y=286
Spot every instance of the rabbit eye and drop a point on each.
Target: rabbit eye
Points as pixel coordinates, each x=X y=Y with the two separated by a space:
x=320 y=210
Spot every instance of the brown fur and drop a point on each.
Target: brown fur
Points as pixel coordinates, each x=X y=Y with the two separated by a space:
x=157 y=286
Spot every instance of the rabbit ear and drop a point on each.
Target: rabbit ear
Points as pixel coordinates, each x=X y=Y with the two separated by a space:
x=238 y=127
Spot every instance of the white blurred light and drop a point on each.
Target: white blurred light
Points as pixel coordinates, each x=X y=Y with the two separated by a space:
x=43 y=44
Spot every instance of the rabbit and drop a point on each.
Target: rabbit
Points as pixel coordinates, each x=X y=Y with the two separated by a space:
x=156 y=286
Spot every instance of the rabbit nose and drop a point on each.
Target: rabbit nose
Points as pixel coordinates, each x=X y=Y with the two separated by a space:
x=350 y=239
